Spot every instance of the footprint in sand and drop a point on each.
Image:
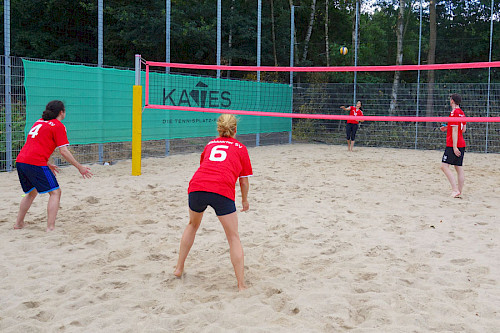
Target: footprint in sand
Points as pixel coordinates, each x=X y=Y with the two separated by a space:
x=31 y=304
x=462 y=261
x=117 y=255
x=92 y=200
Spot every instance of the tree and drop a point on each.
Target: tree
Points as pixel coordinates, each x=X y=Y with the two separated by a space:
x=399 y=57
x=309 y=30
x=273 y=32
x=327 y=43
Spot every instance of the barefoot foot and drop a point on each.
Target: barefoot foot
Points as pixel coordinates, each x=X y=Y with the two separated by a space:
x=18 y=226
x=178 y=272
x=455 y=194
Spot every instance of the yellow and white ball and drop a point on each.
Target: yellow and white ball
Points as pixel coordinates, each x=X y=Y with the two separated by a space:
x=343 y=50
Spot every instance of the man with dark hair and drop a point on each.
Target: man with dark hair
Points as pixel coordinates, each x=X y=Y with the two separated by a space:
x=455 y=147
x=36 y=174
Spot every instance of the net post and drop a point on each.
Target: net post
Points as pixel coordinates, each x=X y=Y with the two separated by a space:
x=7 y=88
x=147 y=84
x=137 y=119
x=292 y=44
x=489 y=77
x=259 y=33
x=418 y=75
x=100 y=58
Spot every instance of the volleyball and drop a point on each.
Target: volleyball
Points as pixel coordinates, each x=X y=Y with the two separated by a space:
x=343 y=50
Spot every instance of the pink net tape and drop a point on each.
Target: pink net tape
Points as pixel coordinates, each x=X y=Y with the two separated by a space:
x=331 y=68
x=327 y=116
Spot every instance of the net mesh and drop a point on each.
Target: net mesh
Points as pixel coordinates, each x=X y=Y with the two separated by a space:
x=405 y=117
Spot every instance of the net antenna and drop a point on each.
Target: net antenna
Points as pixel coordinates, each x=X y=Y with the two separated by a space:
x=472 y=65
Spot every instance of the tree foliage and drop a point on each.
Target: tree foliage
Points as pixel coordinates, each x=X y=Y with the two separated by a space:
x=67 y=30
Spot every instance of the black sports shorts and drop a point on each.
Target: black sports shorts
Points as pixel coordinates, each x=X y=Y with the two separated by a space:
x=350 y=131
x=198 y=202
x=449 y=156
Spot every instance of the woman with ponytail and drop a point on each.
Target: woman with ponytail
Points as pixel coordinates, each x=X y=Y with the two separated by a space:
x=223 y=161
x=36 y=174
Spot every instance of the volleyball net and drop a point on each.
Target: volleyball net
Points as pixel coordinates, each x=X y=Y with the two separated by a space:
x=267 y=100
x=309 y=109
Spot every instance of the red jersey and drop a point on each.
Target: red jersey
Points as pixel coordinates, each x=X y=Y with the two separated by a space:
x=354 y=112
x=449 y=139
x=43 y=137
x=222 y=162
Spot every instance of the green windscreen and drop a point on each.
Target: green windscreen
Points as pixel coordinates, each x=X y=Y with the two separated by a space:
x=99 y=102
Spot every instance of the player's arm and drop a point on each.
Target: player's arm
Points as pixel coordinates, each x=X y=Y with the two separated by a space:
x=245 y=187
x=84 y=171
x=54 y=168
x=362 y=114
x=454 y=136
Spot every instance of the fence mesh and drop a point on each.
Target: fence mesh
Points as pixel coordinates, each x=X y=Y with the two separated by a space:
x=325 y=98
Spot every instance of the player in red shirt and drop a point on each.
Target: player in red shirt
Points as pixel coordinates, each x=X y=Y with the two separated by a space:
x=352 y=125
x=455 y=147
x=36 y=174
x=223 y=161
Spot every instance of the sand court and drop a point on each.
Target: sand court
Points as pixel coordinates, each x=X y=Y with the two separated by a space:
x=334 y=241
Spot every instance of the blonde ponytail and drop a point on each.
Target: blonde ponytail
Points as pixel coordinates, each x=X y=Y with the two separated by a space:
x=226 y=125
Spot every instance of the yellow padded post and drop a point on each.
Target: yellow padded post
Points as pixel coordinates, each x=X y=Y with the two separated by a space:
x=136 y=130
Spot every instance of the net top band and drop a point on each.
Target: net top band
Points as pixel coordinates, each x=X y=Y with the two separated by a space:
x=469 y=65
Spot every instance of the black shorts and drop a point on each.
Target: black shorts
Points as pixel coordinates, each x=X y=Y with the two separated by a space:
x=198 y=202
x=350 y=131
x=449 y=156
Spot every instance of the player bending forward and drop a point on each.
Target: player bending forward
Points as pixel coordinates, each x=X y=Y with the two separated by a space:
x=223 y=161
x=36 y=174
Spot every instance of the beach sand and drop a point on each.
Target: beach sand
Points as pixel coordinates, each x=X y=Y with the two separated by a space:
x=334 y=241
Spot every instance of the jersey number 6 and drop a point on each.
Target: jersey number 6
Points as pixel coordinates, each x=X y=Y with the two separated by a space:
x=217 y=154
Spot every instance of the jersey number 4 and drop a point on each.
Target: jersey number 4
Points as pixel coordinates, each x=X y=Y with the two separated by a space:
x=217 y=154
x=34 y=130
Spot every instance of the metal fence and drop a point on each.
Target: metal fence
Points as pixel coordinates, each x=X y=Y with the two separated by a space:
x=323 y=98
x=327 y=99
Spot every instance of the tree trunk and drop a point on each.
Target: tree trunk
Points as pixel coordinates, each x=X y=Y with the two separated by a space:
x=355 y=38
x=294 y=37
x=273 y=32
x=431 y=59
x=327 y=47
x=399 y=58
x=309 y=30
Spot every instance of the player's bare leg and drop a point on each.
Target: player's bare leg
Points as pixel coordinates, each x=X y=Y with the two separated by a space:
x=187 y=240
x=460 y=178
x=53 y=208
x=348 y=145
x=24 y=206
x=455 y=192
x=230 y=224
x=352 y=145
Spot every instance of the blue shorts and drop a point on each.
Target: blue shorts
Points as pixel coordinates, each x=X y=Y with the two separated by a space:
x=34 y=176
x=198 y=202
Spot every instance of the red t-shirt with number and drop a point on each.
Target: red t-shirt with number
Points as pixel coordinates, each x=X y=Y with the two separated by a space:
x=222 y=162
x=43 y=137
x=449 y=138
x=354 y=112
